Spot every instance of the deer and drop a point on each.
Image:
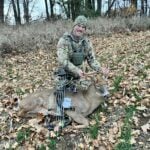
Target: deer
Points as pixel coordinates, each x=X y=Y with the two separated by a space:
x=83 y=102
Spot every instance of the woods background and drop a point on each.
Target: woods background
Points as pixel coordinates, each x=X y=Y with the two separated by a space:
x=22 y=10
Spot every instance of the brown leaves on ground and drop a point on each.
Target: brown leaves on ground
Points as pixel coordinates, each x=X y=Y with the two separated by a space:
x=127 y=56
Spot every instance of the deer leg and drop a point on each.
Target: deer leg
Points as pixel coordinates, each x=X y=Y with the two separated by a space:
x=79 y=118
x=25 y=112
x=21 y=113
x=92 y=108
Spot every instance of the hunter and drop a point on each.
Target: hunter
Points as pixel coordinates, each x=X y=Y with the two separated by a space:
x=74 y=48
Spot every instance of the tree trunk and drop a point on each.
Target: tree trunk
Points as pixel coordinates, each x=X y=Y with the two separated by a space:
x=142 y=7
x=93 y=5
x=109 y=3
x=146 y=6
x=88 y=4
x=26 y=10
x=47 y=12
x=69 y=8
x=15 y=13
x=75 y=8
x=134 y=3
x=99 y=7
x=72 y=9
x=2 y=11
x=109 y=8
x=51 y=2
x=18 y=9
x=7 y=14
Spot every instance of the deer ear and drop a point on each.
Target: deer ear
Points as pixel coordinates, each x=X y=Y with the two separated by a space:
x=95 y=79
x=99 y=79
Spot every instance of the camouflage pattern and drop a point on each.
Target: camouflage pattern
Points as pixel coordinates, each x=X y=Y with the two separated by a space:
x=65 y=49
x=80 y=20
x=80 y=50
x=83 y=84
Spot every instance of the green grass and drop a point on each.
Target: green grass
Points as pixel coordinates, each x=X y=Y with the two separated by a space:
x=124 y=146
x=52 y=144
x=1 y=78
x=23 y=135
x=126 y=129
x=142 y=74
x=136 y=95
x=116 y=83
x=93 y=129
x=19 y=91
x=147 y=67
x=42 y=147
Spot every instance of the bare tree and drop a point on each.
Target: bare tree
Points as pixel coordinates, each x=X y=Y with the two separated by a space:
x=93 y=4
x=134 y=3
x=26 y=10
x=1 y=11
x=15 y=9
x=69 y=8
x=109 y=8
x=88 y=4
x=52 y=2
x=75 y=8
x=18 y=9
x=66 y=6
x=47 y=12
x=99 y=7
x=144 y=7
x=7 y=14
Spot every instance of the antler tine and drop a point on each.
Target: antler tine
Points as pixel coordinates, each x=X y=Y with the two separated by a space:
x=90 y=73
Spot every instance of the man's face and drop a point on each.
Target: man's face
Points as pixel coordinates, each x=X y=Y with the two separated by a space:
x=79 y=30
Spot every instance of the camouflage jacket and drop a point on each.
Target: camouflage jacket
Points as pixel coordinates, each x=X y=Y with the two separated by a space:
x=65 y=48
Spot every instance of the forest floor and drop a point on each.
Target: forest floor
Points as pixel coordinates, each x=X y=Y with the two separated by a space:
x=123 y=125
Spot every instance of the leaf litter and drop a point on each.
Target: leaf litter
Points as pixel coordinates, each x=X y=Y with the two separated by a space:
x=127 y=56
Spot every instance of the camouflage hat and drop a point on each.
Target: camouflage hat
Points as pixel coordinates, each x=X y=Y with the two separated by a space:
x=81 y=20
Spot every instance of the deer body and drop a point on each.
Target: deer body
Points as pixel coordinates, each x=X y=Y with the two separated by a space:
x=84 y=102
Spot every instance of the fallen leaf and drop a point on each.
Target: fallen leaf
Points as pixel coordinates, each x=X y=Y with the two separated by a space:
x=141 y=108
x=132 y=141
x=14 y=146
x=145 y=128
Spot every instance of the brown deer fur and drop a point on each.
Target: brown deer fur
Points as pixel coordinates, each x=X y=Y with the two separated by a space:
x=84 y=102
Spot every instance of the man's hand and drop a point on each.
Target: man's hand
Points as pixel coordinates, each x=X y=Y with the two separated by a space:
x=80 y=73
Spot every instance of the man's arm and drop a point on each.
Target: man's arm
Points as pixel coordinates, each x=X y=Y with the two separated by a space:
x=93 y=63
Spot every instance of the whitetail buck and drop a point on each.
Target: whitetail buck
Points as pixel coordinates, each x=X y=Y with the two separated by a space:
x=84 y=102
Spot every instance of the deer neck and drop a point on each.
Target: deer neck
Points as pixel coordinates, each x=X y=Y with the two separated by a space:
x=91 y=92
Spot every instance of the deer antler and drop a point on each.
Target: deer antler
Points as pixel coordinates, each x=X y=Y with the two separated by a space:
x=90 y=76
x=90 y=73
x=99 y=78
